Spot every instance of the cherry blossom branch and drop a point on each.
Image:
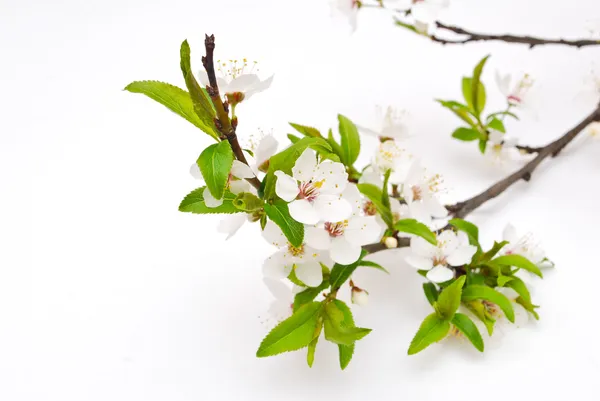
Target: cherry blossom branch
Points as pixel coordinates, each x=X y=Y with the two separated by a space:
x=528 y=40
x=530 y=149
x=462 y=209
x=223 y=123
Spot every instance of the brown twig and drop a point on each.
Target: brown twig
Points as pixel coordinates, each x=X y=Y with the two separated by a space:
x=462 y=209
x=528 y=40
x=223 y=123
x=529 y=149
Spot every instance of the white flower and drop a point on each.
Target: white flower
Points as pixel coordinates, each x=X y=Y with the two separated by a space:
x=501 y=148
x=282 y=306
x=303 y=259
x=359 y=296
x=236 y=183
x=452 y=249
x=522 y=245
x=420 y=193
x=516 y=95
x=314 y=190
x=235 y=81
x=347 y=9
x=390 y=125
x=389 y=156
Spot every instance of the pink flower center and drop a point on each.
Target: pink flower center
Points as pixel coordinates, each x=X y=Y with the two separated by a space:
x=514 y=99
x=309 y=191
x=369 y=208
x=336 y=229
x=440 y=261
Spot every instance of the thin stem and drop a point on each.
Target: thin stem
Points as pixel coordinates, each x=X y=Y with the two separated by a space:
x=528 y=40
x=224 y=124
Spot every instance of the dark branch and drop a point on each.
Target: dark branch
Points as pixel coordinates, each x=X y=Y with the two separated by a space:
x=529 y=149
x=223 y=123
x=528 y=40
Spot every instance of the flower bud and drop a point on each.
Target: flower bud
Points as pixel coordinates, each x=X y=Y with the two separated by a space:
x=359 y=296
x=390 y=242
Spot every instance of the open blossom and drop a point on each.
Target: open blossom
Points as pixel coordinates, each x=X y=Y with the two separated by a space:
x=303 y=259
x=282 y=306
x=516 y=94
x=390 y=125
x=314 y=190
x=237 y=81
x=389 y=156
x=420 y=193
x=501 y=148
x=522 y=245
x=452 y=249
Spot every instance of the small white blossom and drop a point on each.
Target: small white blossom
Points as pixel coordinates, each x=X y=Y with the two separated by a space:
x=501 y=148
x=390 y=242
x=420 y=191
x=516 y=94
x=390 y=125
x=452 y=249
x=522 y=245
x=237 y=81
x=314 y=190
x=303 y=259
x=359 y=296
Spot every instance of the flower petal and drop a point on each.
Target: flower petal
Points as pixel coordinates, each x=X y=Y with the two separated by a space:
x=239 y=186
x=370 y=176
x=241 y=170
x=343 y=252
x=303 y=211
x=362 y=231
x=210 y=200
x=231 y=224
x=421 y=247
x=310 y=273
x=279 y=290
x=266 y=148
x=419 y=262
x=203 y=78
x=333 y=177
x=508 y=293
x=434 y=207
x=461 y=255
x=352 y=195
x=259 y=87
x=440 y=274
x=305 y=166
x=242 y=83
x=448 y=241
x=286 y=187
x=195 y=172
x=331 y=208
x=275 y=266
x=495 y=137
x=273 y=234
x=418 y=211
x=317 y=237
x=510 y=234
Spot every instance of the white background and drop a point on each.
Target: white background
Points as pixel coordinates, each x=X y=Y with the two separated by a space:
x=107 y=292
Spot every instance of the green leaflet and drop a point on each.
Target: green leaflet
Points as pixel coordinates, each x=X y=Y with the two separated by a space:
x=476 y=292
x=412 y=226
x=449 y=299
x=462 y=111
x=469 y=330
x=345 y=351
x=337 y=328
x=203 y=106
x=431 y=293
x=350 y=140
x=369 y=263
x=248 y=202
x=477 y=88
x=175 y=99
x=466 y=134
x=312 y=346
x=518 y=261
x=306 y=131
x=294 y=333
x=492 y=252
x=496 y=124
x=469 y=228
x=433 y=329
x=309 y=294
x=481 y=312
x=194 y=203
x=375 y=195
x=520 y=288
x=215 y=164
x=278 y=212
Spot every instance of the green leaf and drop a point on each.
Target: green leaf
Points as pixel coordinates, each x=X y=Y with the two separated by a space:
x=306 y=131
x=463 y=112
x=412 y=226
x=449 y=299
x=482 y=145
x=278 y=212
x=466 y=134
x=408 y=26
x=309 y=294
x=497 y=125
x=341 y=273
x=337 y=329
x=194 y=203
x=294 y=333
x=475 y=292
x=469 y=228
x=312 y=346
x=475 y=278
x=350 y=140
x=431 y=292
x=503 y=280
x=518 y=261
x=215 y=164
x=293 y=138
x=492 y=252
x=248 y=202
x=337 y=149
x=368 y=263
x=467 y=83
x=203 y=106
x=433 y=329
x=479 y=310
x=469 y=330
x=477 y=88
x=375 y=195
x=520 y=288
x=286 y=159
x=345 y=351
x=385 y=196
x=175 y=99
x=529 y=307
